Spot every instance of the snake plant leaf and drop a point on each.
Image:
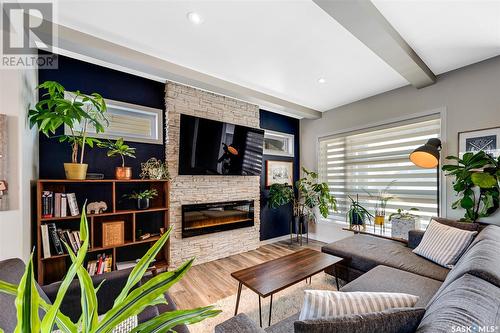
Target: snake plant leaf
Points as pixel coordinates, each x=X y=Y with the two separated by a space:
x=62 y=321
x=141 y=297
x=168 y=320
x=88 y=298
x=483 y=180
x=50 y=316
x=8 y=288
x=27 y=301
x=141 y=267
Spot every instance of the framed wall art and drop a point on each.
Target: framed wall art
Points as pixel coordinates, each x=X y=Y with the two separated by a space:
x=487 y=140
x=277 y=143
x=279 y=172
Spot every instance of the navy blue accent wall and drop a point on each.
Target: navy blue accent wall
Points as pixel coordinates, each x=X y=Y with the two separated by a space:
x=111 y=84
x=276 y=222
x=88 y=78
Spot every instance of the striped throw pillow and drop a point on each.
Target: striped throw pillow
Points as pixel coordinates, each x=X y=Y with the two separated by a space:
x=443 y=244
x=323 y=304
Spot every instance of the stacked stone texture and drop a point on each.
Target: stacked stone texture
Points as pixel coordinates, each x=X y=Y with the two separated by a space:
x=181 y=99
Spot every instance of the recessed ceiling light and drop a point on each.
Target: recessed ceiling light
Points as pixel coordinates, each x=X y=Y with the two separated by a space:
x=194 y=18
x=321 y=80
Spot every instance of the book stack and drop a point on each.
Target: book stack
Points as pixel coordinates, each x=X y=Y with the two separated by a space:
x=57 y=204
x=53 y=238
x=103 y=264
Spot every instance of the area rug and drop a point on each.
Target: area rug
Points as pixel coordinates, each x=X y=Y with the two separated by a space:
x=285 y=303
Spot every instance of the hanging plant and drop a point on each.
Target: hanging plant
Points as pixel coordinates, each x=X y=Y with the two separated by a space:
x=476 y=184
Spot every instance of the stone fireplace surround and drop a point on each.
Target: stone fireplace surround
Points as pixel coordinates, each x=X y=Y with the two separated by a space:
x=181 y=99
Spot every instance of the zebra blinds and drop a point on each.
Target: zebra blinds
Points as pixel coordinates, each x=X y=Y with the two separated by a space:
x=364 y=161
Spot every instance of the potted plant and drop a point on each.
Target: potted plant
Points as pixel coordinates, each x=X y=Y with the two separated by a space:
x=130 y=301
x=311 y=195
x=357 y=214
x=381 y=200
x=119 y=148
x=78 y=112
x=402 y=222
x=476 y=183
x=143 y=198
x=154 y=169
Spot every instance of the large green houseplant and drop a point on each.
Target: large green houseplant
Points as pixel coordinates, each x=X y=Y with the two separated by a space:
x=476 y=183
x=130 y=302
x=78 y=112
x=311 y=195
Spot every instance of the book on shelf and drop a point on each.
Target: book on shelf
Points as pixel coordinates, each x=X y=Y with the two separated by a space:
x=103 y=264
x=57 y=204
x=45 y=240
x=56 y=243
x=64 y=205
x=72 y=204
x=47 y=204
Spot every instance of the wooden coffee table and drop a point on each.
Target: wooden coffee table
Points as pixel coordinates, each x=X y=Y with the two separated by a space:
x=272 y=276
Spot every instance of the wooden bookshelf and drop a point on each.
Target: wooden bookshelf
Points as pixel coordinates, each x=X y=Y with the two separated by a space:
x=111 y=191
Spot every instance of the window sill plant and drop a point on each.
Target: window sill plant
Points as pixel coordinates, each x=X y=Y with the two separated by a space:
x=120 y=148
x=130 y=301
x=357 y=215
x=78 y=113
x=402 y=222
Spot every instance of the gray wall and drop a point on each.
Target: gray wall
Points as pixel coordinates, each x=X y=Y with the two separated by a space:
x=470 y=97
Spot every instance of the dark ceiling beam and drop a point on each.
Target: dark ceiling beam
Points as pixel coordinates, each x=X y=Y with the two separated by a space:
x=364 y=21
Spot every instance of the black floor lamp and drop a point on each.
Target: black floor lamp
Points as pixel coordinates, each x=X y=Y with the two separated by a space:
x=427 y=156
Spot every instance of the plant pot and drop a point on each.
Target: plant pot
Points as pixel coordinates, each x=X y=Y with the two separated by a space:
x=76 y=171
x=300 y=223
x=123 y=173
x=401 y=227
x=357 y=219
x=142 y=203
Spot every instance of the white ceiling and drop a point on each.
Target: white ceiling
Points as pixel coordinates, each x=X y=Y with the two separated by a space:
x=283 y=47
x=446 y=34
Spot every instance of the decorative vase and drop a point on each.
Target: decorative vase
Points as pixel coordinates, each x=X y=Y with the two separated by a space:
x=77 y=171
x=401 y=227
x=143 y=203
x=300 y=224
x=379 y=219
x=357 y=222
x=123 y=173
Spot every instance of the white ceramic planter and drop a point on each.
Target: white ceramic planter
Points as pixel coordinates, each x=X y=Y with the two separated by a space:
x=401 y=227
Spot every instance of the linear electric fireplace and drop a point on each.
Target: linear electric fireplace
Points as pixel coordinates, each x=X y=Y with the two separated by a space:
x=208 y=218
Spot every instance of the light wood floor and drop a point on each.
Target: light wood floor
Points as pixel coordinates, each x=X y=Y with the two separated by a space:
x=207 y=283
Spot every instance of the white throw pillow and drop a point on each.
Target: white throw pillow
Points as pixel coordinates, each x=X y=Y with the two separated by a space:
x=443 y=244
x=322 y=304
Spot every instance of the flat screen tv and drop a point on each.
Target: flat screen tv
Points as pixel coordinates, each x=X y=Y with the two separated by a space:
x=209 y=147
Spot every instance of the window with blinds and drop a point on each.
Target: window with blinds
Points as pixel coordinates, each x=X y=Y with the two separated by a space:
x=368 y=161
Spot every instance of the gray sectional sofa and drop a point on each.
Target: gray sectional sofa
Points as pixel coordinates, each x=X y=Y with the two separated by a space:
x=467 y=296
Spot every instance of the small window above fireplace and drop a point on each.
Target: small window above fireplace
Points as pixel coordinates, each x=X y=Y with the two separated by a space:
x=200 y=219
